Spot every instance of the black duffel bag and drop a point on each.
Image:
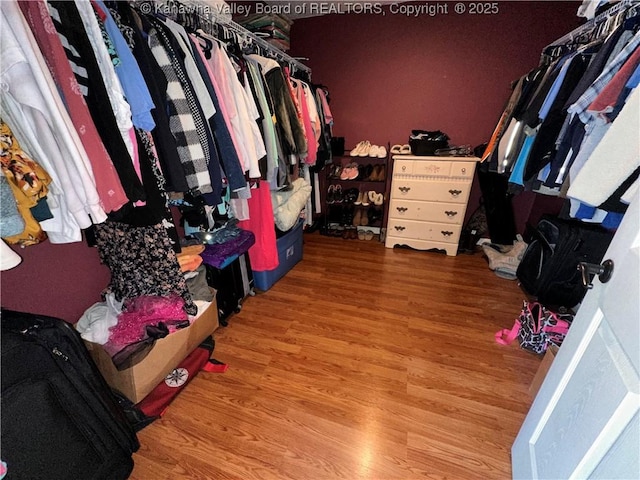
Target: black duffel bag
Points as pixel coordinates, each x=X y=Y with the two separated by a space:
x=549 y=267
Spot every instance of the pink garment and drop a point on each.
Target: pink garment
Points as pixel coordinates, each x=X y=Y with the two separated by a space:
x=293 y=94
x=224 y=108
x=313 y=113
x=140 y=312
x=328 y=116
x=135 y=158
x=223 y=92
x=312 y=154
x=264 y=253
x=608 y=97
x=108 y=185
x=154 y=150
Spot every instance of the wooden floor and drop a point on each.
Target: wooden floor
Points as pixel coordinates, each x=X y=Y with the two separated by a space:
x=361 y=363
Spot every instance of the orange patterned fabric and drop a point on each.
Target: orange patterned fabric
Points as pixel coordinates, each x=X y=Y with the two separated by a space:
x=28 y=182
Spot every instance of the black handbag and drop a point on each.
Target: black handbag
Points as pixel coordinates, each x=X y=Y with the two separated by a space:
x=425 y=143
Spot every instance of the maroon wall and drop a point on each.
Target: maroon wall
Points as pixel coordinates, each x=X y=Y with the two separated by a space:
x=387 y=75
x=58 y=280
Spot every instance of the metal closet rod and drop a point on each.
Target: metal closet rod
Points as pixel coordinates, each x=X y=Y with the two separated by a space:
x=207 y=12
x=239 y=29
x=591 y=24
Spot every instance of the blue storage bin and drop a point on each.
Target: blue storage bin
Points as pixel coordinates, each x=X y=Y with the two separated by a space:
x=289 y=253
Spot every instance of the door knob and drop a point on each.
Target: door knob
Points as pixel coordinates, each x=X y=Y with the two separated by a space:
x=603 y=272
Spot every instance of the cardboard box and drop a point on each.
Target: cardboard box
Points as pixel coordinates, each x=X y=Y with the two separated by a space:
x=543 y=369
x=138 y=381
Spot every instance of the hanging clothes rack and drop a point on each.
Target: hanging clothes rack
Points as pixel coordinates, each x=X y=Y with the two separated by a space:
x=208 y=15
x=595 y=22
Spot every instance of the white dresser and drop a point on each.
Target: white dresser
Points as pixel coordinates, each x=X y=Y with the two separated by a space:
x=428 y=201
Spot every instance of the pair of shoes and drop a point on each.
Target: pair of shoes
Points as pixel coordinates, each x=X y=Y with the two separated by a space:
x=334 y=194
x=350 y=233
x=372 y=173
x=348 y=213
x=377 y=151
x=376 y=198
x=363 y=199
x=335 y=171
x=367 y=171
x=360 y=219
x=331 y=194
x=401 y=149
x=349 y=172
x=361 y=149
x=365 y=235
x=374 y=215
x=366 y=149
x=335 y=231
x=378 y=173
x=350 y=195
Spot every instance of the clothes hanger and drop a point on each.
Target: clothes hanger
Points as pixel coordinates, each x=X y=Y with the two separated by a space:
x=233 y=44
x=631 y=18
x=208 y=44
x=192 y=22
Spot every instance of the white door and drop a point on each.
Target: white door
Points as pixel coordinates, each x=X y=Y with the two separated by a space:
x=584 y=422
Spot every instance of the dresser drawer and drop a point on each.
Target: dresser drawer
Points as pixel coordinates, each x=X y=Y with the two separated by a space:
x=423 y=230
x=430 y=211
x=463 y=169
x=422 y=168
x=431 y=191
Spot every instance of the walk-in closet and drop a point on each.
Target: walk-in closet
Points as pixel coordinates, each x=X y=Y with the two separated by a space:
x=319 y=240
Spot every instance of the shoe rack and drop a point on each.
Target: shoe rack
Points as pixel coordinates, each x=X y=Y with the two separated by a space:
x=356 y=196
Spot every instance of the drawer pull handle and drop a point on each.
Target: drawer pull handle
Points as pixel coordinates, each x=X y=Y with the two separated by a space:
x=404 y=168
x=402 y=209
x=455 y=193
x=446 y=233
x=399 y=228
x=404 y=189
x=450 y=213
x=463 y=170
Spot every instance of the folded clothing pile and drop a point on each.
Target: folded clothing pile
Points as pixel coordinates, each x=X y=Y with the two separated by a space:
x=189 y=259
x=274 y=28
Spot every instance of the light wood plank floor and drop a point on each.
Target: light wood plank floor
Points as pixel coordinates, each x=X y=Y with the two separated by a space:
x=361 y=363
